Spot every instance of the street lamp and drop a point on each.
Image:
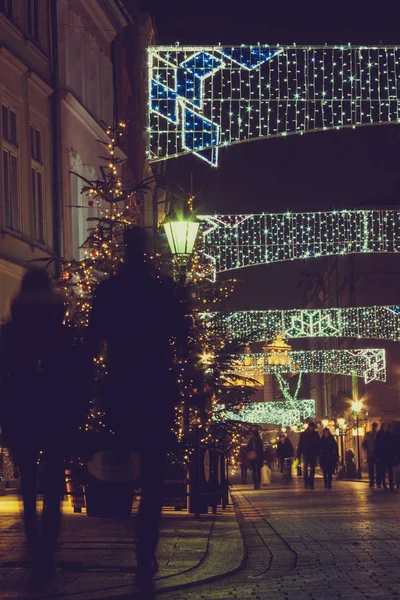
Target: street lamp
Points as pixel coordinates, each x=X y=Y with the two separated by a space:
x=181 y=236
x=356 y=407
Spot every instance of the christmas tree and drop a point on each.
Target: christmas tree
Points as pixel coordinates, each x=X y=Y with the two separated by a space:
x=206 y=371
x=103 y=252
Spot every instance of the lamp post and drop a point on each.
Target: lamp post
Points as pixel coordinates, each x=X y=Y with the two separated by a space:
x=341 y=421
x=181 y=232
x=356 y=407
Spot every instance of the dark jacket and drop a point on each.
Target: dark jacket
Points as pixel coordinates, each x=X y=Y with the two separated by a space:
x=368 y=444
x=137 y=313
x=255 y=445
x=385 y=446
x=41 y=373
x=285 y=449
x=329 y=451
x=309 y=444
x=243 y=457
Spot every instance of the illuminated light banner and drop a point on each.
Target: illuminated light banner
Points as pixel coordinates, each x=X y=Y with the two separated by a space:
x=206 y=97
x=374 y=322
x=236 y=241
x=275 y=412
x=369 y=363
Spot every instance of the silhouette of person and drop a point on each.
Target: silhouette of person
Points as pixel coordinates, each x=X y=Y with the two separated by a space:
x=309 y=447
x=136 y=313
x=38 y=411
x=255 y=452
x=328 y=457
x=385 y=452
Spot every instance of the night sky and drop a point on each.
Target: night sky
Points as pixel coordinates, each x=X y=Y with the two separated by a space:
x=317 y=171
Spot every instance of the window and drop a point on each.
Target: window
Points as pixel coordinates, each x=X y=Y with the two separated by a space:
x=10 y=170
x=37 y=177
x=9 y=122
x=33 y=18
x=10 y=164
x=6 y=7
x=36 y=144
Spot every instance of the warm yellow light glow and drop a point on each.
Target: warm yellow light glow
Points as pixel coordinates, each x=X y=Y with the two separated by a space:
x=356 y=406
x=277 y=351
x=206 y=358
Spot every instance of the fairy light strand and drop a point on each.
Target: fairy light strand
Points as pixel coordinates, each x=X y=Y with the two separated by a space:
x=237 y=241
x=373 y=322
x=275 y=412
x=368 y=363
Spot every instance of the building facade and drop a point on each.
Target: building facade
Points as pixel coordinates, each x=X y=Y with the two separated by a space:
x=68 y=69
x=26 y=211
x=86 y=96
x=349 y=281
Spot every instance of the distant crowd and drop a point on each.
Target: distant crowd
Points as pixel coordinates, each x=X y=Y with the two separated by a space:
x=381 y=447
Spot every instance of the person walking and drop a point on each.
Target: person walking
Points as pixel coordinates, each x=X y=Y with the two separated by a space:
x=136 y=313
x=268 y=456
x=385 y=456
x=309 y=448
x=41 y=380
x=368 y=445
x=285 y=452
x=255 y=456
x=329 y=456
x=244 y=463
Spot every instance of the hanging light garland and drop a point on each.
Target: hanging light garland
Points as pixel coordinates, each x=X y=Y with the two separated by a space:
x=275 y=412
x=202 y=98
x=368 y=363
x=374 y=322
x=236 y=241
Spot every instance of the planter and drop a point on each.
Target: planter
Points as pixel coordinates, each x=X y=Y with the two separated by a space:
x=175 y=487
x=112 y=477
x=109 y=500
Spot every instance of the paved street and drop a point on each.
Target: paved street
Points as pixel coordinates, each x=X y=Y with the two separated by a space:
x=341 y=543
x=95 y=558
x=314 y=544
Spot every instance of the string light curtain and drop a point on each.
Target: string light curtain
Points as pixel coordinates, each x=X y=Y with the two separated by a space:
x=206 y=97
x=368 y=363
x=373 y=322
x=236 y=241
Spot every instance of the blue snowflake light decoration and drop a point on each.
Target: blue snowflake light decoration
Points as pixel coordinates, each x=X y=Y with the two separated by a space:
x=244 y=93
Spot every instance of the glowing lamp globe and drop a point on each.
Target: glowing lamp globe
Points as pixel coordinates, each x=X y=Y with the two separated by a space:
x=356 y=406
x=181 y=236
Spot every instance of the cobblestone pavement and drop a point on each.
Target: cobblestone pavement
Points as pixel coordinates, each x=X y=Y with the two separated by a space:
x=313 y=544
x=95 y=558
